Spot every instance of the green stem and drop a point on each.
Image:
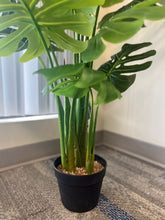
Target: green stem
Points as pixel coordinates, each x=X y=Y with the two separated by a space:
x=63 y=121
x=95 y=25
x=71 y=138
x=41 y=62
x=90 y=147
x=94 y=29
x=61 y=129
x=55 y=58
x=94 y=130
x=95 y=121
x=81 y=127
x=66 y=121
x=92 y=126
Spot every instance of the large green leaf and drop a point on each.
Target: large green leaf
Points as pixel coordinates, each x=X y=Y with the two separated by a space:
x=122 y=26
x=118 y=68
x=112 y=14
x=116 y=32
x=36 y=24
x=95 y=48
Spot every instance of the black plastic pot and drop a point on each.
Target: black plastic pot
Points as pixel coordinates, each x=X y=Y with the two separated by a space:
x=80 y=193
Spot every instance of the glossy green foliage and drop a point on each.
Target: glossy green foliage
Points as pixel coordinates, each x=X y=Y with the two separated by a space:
x=95 y=48
x=117 y=70
x=61 y=72
x=125 y=24
x=36 y=24
x=69 y=74
x=76 y=79
x=108 y=16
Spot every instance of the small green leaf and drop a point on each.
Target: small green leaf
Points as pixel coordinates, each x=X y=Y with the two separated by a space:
x=111 y=14
x=95 y=48
x=70 y=90
x=61 y=72
x=107 y=93
x=90 y=77
x=116 y=32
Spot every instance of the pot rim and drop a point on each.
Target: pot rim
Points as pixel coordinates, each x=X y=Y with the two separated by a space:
x=93 y=174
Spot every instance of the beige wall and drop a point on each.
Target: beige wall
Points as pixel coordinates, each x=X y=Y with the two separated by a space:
x=22 y=133
x=140 y=113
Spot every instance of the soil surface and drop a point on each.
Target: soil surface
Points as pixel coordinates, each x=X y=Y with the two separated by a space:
x=80 y=171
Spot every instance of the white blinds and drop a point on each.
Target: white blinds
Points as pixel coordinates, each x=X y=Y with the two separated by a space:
x=21 y=91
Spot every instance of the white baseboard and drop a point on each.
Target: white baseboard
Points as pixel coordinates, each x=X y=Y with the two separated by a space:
x=146 y=151
x=12 y=157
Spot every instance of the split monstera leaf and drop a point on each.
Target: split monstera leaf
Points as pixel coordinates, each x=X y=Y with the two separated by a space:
x=35 y=24
x=110 y=80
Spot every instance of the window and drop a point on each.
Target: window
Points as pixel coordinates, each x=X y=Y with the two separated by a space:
x=21 y=91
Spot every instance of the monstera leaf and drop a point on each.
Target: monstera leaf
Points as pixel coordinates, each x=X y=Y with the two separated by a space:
x=76 y=79
x=119 y=72
x=112 y=14
x=35 y=23
x=120 y=26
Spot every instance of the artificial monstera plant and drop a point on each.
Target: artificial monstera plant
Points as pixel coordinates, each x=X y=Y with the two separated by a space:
x=40 y=26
